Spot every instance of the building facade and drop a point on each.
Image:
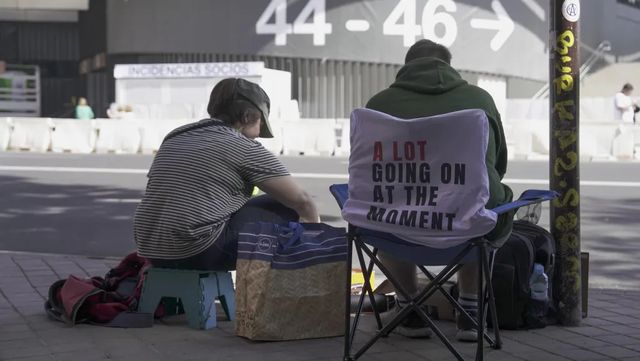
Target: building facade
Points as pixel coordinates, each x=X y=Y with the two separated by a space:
x=339 y=52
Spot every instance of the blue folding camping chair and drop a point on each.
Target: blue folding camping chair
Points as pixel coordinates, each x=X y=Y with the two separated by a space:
x=417 y=191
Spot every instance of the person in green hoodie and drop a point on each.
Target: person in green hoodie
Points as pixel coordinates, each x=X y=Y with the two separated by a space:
x=427 y=85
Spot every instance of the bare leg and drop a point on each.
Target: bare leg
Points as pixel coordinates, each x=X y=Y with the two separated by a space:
x=404 y=272
x=406 y=275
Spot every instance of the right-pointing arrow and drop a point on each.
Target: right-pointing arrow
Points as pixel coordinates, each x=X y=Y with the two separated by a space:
x=503 y=24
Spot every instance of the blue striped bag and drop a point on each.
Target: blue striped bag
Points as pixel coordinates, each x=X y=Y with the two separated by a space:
x=290 y=281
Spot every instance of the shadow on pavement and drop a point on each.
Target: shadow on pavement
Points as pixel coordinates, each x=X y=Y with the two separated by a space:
x=610 y=234
x=69 y=219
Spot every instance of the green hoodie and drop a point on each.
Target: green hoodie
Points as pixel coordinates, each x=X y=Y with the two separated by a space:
x=429 y=86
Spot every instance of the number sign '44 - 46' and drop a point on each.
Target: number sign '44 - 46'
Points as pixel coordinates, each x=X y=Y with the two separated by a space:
x=436 y=22
x=409 y=28
x=401 y=21
x=277 y=9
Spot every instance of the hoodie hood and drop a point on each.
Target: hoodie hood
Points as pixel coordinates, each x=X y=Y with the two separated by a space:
x=428 y=76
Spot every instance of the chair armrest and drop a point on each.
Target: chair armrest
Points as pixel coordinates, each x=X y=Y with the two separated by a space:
x=340 y=192
x=527 y=197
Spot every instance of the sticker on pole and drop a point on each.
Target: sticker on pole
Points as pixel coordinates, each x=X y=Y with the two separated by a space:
x=571 y=10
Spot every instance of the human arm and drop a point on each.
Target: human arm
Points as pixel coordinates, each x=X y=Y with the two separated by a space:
x=496 y=161
x=261 y=168
x=496 y=158
x=286 y=191
x=499 y=193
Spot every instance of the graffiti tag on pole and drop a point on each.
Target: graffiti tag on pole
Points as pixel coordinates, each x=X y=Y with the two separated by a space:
x=565 y=160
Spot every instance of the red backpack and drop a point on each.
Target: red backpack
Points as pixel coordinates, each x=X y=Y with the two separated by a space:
x=109 y=301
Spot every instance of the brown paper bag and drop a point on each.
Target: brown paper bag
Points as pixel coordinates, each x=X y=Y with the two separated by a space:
x=288 y=304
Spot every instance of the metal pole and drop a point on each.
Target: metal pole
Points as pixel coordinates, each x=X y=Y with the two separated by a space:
x=564 y=166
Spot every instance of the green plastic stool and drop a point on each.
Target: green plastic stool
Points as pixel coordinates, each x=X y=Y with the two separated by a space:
x=197 y=291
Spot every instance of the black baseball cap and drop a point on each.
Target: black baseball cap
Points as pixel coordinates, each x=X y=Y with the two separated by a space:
x=255 y=95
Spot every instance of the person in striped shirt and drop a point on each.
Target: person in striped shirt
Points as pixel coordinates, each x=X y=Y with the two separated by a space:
x=200 y=184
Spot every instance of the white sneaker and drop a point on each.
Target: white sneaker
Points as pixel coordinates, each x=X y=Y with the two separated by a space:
x=469 y=335
x=466 y=331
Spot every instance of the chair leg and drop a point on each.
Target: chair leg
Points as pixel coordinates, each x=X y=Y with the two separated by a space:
x=356 y=318
x=439 y=333
x=347 y=317
x=398 y=287
x=414 y=305
x=360 y=246
x=442 y=276
x=367 y=287
x=367 y=290
x=149 y=298
x=206 y=311
x=226 y=294
x=439 y=287
x=191 y=297
x=488 y=271
x=480 y=313
x=454 y=302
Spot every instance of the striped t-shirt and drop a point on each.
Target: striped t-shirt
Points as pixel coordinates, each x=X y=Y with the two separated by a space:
x=198 y=179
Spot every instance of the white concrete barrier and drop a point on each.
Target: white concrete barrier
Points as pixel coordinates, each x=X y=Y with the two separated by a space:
x=525 y=109
x=526 y=138
x=275 y=144
x=200 y=111
x=289 y=111
x=5 y=133
x=589 y=147
x=309 y=136
x=596 y=140
x=519 y=138
x=596 y=110
x=623 y=143
x=139 y=111
x=324 y=131
x=73 y=135
x=153 y=131
x=636 y=141
x=540 y=141
x=32 y=134
x=592 y=109
x=529 y=138
x=343 y=143
x=294 y=138
x=170 y=111
x=118 y=136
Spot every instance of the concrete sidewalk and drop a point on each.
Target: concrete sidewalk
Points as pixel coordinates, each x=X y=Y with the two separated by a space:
x=612 y=331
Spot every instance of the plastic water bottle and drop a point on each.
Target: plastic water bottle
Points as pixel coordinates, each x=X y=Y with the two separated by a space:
x=539 y=285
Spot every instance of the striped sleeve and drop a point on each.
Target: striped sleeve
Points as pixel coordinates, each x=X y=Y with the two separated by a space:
x=259 y=164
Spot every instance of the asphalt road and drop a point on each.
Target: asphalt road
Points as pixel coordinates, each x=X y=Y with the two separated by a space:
x=84 y=204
